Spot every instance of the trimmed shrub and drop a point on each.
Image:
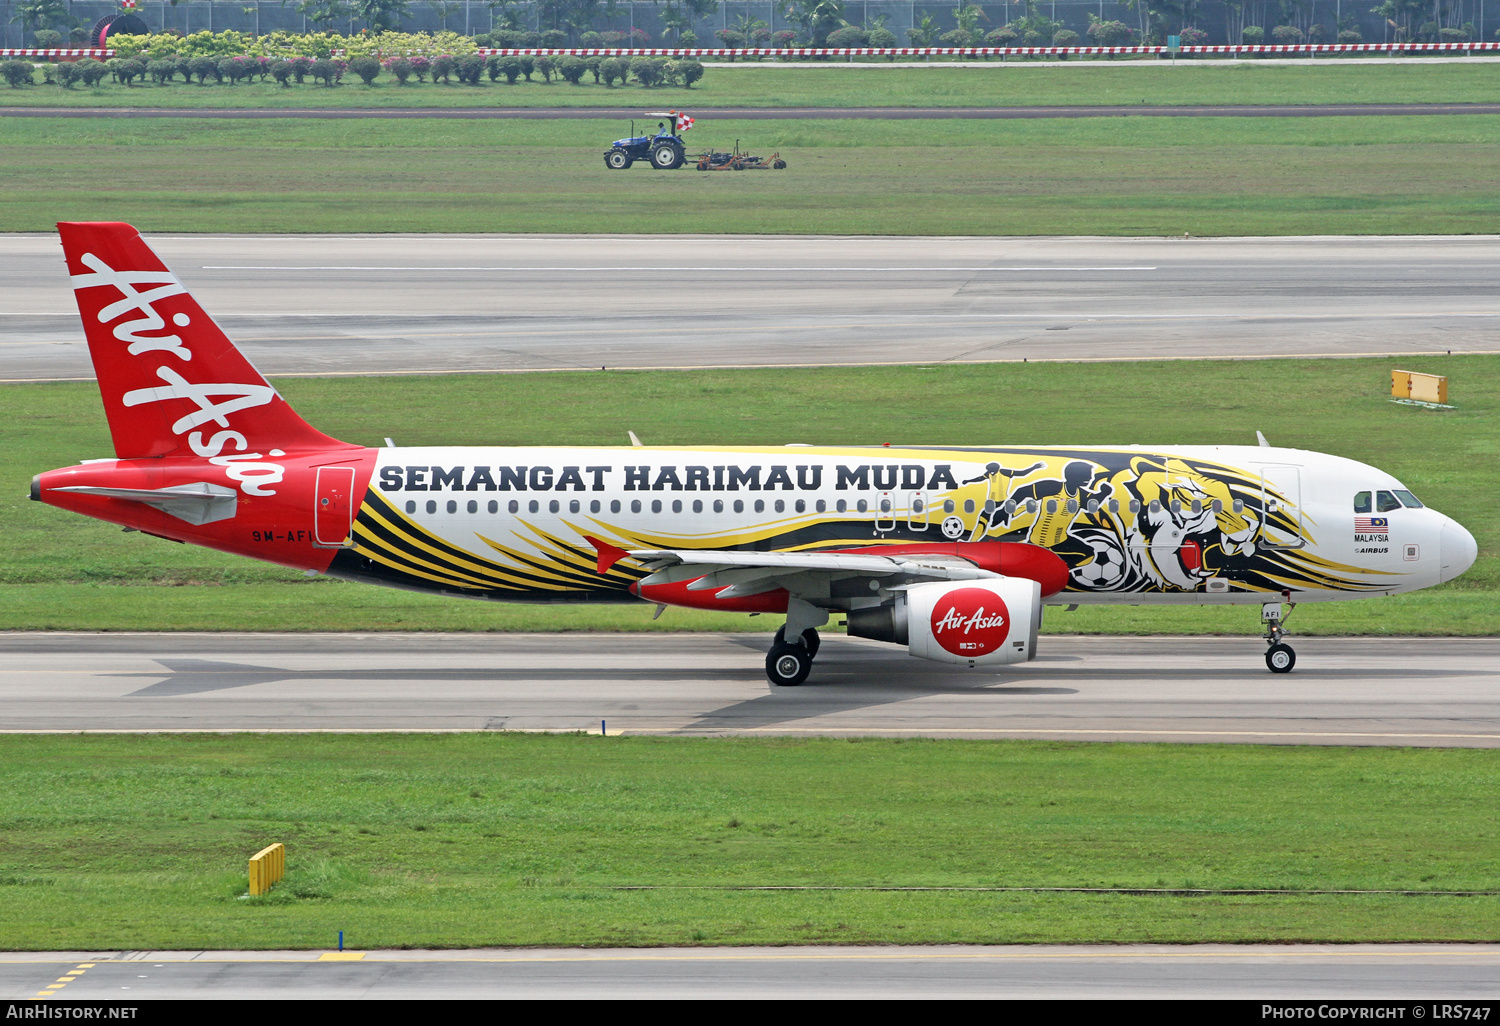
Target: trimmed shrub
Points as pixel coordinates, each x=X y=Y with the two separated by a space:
x=544 y=66
x=1351 y=36
x=469 y=68
x=443 y=67
x=92 y=72
x=571 y=69
x=730 y=39
x=881 y=37
x=1286 y=34
x=1194 y=37
x=783 y=40
x=1002 y=36
x=202 y=67
x=508 y=39
x=689 y=71
x=848 y=37
x=646 y=71
x=592 y=40
x=282 y=71
x=1065 y=37
x=323 y=70
x=400 y=68
x=638 y=39
x=1111 y=33
x=233 y=68
x=47 y=39
x=368 y=68
x=130 y=70
x=554 y=39
x=1452 y=35
x=420 y=66
x=528 y=65
x=613 y=40
x=592 y=63
x=956 y=37
x=612 y=70
x=17 y=73
x=65 y=73
x=510 y=67
x=687 y=37
x=1253 y=35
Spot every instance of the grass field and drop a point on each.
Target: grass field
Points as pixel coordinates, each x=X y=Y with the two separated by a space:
x=1198 y=82
x=1209 y=176
x=474 y=839
x=60 y=571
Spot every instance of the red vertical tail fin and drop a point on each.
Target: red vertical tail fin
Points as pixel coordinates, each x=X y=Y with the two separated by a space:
x=172 y=382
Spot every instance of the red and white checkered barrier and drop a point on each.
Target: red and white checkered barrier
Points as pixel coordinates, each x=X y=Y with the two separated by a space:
x=992 y=51
x=35 y=52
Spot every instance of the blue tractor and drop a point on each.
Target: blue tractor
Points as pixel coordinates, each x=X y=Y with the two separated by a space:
x=665 y=149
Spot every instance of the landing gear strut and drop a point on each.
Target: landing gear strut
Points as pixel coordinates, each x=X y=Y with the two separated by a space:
x=1279 y=656
x=788 y=665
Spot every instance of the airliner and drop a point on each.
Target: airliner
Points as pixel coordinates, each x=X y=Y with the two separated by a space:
x=949 y=550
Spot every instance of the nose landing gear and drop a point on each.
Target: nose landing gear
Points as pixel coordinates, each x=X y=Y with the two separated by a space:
x=788 y=665
x=1279 y=656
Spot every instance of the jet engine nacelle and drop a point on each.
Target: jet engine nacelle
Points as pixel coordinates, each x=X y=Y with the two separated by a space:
x=973 y=623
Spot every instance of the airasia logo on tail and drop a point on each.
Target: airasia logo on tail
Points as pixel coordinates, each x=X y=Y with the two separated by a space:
x=210 y=404
x=970 y=622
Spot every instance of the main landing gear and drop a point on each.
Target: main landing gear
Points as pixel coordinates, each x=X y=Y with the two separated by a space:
x=1279 y=655
x=788 y=665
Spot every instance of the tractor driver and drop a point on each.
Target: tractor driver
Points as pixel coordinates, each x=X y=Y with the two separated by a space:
x=661 y=129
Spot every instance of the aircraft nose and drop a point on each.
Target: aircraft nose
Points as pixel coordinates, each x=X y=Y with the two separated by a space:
x=1458 y=550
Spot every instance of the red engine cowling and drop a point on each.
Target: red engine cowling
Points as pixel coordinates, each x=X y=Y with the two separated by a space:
x=972 y=623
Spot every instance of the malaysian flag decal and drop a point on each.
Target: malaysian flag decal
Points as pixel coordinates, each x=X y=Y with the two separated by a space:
x=1370 y=524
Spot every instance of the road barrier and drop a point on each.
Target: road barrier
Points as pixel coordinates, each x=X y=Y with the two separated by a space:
x=65 y=53
x=267 y=867
x=1310 y=49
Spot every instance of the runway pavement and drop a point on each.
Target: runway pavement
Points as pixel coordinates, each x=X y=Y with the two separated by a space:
x=1405 y=972
x=392 y=304
x=1427 y=692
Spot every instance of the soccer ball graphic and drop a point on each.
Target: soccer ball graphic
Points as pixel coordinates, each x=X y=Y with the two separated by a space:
x=953 y=527
x=1105 y=568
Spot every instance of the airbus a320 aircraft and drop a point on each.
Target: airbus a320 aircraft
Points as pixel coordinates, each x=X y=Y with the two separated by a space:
x=949 y=550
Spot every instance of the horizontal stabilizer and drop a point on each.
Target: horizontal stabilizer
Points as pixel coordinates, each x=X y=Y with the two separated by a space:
x=196 y=503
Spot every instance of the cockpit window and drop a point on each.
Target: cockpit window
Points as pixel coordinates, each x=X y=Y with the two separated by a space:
x=1361 y=502
x=1385 y=502
x=1408 y=500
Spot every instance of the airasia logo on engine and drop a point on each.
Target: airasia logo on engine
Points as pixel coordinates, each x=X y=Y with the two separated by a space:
x=970 y=622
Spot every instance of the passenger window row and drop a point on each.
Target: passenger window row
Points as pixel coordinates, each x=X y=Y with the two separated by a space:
x=842 y=505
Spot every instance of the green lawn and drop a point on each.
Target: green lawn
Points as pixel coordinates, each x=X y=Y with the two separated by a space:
x=498 y=839
x=1209 y=176
x=1197 y=82
x=61 y=571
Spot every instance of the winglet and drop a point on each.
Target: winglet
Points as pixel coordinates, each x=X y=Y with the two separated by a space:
x=1262 y=440
x=609 y=555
